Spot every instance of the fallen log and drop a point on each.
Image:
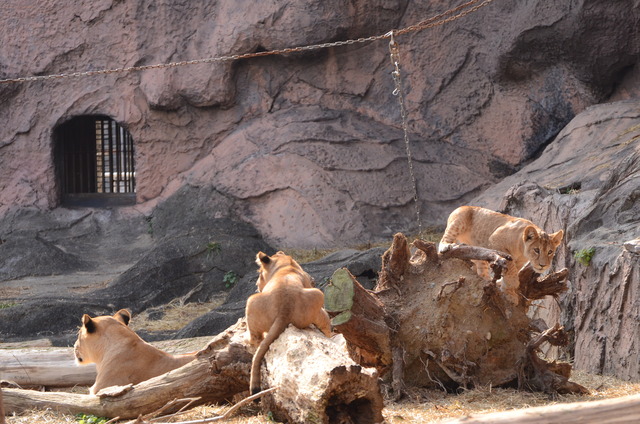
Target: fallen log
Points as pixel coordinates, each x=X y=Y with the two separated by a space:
x=321 y=384
x=37 y=367
x=448 y=327
x=620 y=410
x=221 y=371
x=45 y=367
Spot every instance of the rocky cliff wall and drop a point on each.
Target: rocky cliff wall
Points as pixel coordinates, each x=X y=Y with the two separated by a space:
x=588 y=183
x=307 y=147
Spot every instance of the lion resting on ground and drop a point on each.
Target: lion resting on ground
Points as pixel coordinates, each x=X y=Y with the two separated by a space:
x=120 y=355
x=286 y=297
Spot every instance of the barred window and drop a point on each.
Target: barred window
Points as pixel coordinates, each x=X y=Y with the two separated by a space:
x=94 y=159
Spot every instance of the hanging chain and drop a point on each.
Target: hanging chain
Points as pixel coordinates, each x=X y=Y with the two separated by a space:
x=398 y=92
x=450 y=15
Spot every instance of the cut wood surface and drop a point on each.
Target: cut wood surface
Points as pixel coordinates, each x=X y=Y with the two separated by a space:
x=620 y=410
x=321 y=382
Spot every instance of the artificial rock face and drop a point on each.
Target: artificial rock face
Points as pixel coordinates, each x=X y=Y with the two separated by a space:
x=307 y=147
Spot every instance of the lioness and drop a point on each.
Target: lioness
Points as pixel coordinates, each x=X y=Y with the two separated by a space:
x=286 y=297
x=120 y=355
x=518 y=237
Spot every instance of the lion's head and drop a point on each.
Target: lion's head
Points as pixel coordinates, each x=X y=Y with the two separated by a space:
x=540 y=247
x=269 y=265
x=98 y=334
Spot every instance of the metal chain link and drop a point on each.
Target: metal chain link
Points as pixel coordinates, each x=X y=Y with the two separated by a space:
x=397 y=80
x=434 y=21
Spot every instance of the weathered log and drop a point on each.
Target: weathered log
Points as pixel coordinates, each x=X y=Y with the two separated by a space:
x=321 y=384
x=497 y=260
x=361 y=318
x=221 y=371
x=448 y=326
x=44 y=367
x=533 y=286
x=540 y=375
x=35 y=367
x=395 y=262
x=620 y=410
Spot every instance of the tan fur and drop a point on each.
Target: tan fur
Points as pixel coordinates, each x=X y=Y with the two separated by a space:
x=518 y=237
x=120 y=355
x=286 y=297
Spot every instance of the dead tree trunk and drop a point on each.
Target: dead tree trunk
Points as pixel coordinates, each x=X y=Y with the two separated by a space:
x=448 y=327
x=49 y=367
x=221 y=371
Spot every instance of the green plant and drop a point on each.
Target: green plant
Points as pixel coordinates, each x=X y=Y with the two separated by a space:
x=584 y=255
x=230 y=279
x=90 y=419
x=213 y=247
x=149 y=225
x=6 y=305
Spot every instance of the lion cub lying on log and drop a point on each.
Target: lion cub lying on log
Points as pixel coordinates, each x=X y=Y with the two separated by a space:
x=120 y=355
x=518 y=237
x=286 y=296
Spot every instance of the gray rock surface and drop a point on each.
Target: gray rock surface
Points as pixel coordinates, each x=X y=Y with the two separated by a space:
x=588 y=182
x=364 y=265
x=188 y=262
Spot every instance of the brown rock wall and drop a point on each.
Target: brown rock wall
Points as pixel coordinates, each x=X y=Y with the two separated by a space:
x=308 y=146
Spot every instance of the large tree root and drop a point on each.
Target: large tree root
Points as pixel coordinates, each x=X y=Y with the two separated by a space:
x=439 y=323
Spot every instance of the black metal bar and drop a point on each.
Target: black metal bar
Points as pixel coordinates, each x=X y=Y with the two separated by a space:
x=104 y=160
x=119 y=156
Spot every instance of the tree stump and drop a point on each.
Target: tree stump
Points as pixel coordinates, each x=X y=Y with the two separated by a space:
x=318 y=383
x=446 y=326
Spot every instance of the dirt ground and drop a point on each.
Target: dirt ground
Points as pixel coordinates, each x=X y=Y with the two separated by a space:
x=420 y=406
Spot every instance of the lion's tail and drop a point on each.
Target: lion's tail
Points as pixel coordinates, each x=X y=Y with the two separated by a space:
x=278 y=326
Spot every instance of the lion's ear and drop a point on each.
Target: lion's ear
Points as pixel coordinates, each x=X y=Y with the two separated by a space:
x=88 y=323
x=263 y=257
x=123 y=315
x=556 y=238
x=530 y=233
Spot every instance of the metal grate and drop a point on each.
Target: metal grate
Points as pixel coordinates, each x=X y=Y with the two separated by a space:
x=114 y=158
x=94 y=155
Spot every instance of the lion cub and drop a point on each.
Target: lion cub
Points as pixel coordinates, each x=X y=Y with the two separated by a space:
x=518 y=237
x=120 y=355
x=286 y=296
